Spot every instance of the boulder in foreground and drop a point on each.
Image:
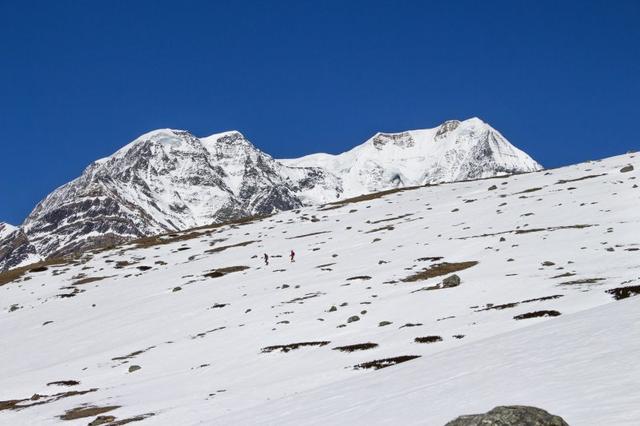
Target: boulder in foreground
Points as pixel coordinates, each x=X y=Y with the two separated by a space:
x=513 y=415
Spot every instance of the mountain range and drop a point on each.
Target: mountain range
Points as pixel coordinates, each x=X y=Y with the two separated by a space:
x=170 y=180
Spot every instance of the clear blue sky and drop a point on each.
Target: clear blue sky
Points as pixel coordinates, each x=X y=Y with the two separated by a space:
x=79 y=79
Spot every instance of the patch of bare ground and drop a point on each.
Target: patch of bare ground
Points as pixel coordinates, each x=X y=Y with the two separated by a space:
x=430 y=259
x=491 y=306
x=192 y=233
x=385 y=362
x=301 y=299
x=537 y=314
x=382 y=228
x=526 y=191
x=582 y=281
x=360 y=277
x=624 y=292
x=326 y=265
x=293 y=346
x=552 y=228
x=223 y=248
x=566 y=274
x=428 y=339
x=132 y=354
x=224 y=271
x=365 y=197
x=356 y=347
x=89 y=411
x=64 y=383
x=439 y=269
x=36 y=399
x=17 y=273
x=308 y=235
x=390 y=219
x=563 y=181
x=204 y=333
x=88 y=280
x=133 y=419
x=527 y=231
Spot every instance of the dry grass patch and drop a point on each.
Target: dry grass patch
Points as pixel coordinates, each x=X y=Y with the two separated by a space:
x=223 y=248
x=438 y=270
x=624 y=292
x=356 y=347
x=82 y=412
x=17 y=273
x=88 y=280
x=385 y=362
x=36 y=399
x=309 y=235
x=293 y=346
x=538 y=314
x=366 y=197
x=220 y=272
x=428 y=339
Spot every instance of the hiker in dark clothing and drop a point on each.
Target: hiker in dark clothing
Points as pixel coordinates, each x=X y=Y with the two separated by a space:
x=292 y=256
x=266 y=259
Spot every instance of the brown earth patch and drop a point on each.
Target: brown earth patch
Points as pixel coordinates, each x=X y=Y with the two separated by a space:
x=439 y=269
x=385 y=362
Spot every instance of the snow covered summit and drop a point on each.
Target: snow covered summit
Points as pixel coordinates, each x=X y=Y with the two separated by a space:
x=453 y=151
x=169 y=180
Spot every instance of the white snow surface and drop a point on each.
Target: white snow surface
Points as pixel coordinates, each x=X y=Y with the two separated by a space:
x=453 y=151
x=6 y=229
x=570 y=235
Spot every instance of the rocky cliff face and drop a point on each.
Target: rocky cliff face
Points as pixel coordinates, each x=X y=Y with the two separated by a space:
x=169 y=180
x=15 y=248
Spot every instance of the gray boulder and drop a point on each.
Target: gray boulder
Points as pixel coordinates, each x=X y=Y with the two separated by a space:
x=513 y=415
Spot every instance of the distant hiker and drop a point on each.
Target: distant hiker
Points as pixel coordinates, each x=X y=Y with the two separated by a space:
x=266 y=259
x=292 y=255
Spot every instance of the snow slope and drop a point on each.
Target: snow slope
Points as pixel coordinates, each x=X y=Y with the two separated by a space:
x=202 y=316
x=6 y=229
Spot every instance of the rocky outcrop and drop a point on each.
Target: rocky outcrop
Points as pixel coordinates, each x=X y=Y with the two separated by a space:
x=514 y=415
x=15 y=249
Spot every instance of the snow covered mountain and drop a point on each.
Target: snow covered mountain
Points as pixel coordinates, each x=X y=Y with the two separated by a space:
x=454 y=151
x=467 y=295
x=169 y=180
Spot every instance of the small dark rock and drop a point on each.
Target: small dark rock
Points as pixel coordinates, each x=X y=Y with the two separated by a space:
x=451 y=281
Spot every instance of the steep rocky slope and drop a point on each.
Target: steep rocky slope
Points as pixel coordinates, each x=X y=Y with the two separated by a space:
x=169 y=180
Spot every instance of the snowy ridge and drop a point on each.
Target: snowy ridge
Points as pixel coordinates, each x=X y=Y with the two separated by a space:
x=170 y=180
x=454 y=151
x=6 y=229
x=193 y=328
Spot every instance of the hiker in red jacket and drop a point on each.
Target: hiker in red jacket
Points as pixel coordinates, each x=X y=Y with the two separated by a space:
x=292 y=256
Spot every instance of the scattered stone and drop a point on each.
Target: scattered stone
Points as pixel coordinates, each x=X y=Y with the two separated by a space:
x=134 y=368
x=353 y=318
